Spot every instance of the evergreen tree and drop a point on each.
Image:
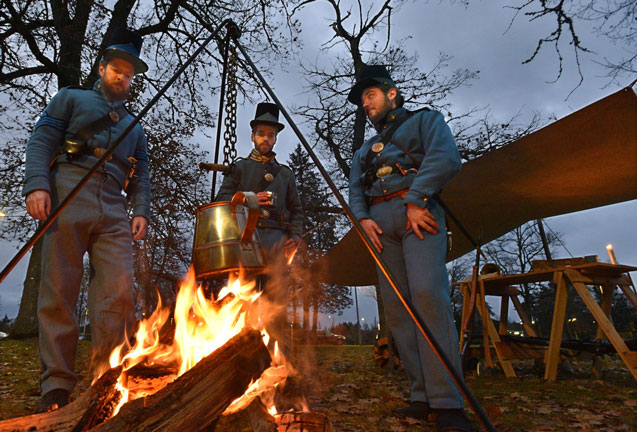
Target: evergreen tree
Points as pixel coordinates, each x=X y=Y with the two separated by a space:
x=321 y=228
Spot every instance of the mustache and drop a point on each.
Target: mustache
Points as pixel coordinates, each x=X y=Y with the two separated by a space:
x=119 y=91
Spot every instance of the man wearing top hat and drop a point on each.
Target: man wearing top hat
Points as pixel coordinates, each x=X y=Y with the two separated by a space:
x=75 y=129
x=394 y=179
x=279 y=227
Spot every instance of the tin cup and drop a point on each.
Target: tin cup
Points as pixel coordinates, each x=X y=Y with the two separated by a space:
x=272 y=198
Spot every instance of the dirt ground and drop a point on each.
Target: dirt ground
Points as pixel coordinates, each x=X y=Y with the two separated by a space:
x=344 y=383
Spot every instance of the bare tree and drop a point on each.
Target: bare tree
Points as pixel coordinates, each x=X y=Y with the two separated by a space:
x=613 y=19
x=514 y=253
x=48 y=44
x=360 y=35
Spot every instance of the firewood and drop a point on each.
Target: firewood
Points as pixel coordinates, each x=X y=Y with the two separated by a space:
x=191 y=402
x=92 y=406
x=303 y=422
x=199 y=396
x=260 y=419
x=381 y=353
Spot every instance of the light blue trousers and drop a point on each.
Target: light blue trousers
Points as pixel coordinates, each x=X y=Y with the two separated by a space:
x=419 y=269
x=95 y=221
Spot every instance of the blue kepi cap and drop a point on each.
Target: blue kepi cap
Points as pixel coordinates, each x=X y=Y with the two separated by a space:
x=127 y=45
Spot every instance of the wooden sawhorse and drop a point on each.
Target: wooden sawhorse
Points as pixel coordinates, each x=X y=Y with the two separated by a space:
x=608 y=276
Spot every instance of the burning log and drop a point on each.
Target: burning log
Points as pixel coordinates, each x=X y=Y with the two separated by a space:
x=260 y=419
x=192 y=402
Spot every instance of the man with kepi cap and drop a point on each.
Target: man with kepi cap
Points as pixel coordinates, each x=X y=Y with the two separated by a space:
x=76 y=128
x=393 y=182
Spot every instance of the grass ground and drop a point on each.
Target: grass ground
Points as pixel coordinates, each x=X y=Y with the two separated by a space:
x=344 y=383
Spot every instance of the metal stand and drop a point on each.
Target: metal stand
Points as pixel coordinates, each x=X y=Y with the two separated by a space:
x=222 y=96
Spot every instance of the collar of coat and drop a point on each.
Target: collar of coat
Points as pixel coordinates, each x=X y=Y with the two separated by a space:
x=256 y=156
x=389 y=119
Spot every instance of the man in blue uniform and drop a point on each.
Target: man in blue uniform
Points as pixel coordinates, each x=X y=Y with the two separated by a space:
x=280 y=226
x=394 y=178
x=74 y=130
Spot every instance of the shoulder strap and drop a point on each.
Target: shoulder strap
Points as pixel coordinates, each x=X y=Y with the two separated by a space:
x=404 y=150
x=272 y=168
x=386 y=136
x=97 y=126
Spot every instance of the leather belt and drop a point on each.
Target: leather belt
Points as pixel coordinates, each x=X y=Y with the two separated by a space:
x=379 y=199
x=98 y=152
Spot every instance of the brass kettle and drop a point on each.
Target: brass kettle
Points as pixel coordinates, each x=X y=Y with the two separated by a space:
x=226 y=239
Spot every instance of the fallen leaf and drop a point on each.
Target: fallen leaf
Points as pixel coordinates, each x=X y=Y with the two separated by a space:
x=412 y=421
x=493 y=411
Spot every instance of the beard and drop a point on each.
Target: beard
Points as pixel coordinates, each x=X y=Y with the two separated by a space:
x=379 y=116
x=115 y=92
x=264 y=149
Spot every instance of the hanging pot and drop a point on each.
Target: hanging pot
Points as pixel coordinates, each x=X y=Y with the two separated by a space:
x=225 y=237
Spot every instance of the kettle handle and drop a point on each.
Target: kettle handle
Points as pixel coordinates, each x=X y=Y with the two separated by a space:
x=249 y=200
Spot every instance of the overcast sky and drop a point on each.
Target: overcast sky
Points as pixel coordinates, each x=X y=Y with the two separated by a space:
x=478 y=39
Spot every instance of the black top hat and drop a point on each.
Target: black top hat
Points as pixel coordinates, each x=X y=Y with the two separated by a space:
x=267 y=113
x=126 y=44
x=371 y=75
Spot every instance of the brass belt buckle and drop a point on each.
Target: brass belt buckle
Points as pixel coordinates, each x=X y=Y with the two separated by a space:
x=384 y=171
x=73 y=148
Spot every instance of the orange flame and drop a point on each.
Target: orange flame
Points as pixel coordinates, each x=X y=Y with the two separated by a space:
x=201 y=326
x=291 y=253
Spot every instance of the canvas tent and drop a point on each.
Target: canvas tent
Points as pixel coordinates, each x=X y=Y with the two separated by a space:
x=585 y=160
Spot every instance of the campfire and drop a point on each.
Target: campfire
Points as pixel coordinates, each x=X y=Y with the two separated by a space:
x=213 y=361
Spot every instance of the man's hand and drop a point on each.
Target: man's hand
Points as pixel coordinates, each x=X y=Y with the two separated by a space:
x=39 y=204
x=373 y=231
x=139 y=227
x=420 y=218
x=291 y=245
x=264 y=199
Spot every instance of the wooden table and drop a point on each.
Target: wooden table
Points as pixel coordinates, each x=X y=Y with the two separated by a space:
x=609 y=276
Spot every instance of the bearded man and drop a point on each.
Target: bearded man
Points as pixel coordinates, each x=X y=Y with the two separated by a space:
x=75 y=129
x=279 y=228
x=395 y=178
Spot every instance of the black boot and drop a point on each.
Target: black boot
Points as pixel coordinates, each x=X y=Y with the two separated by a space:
x=55 y=399
x=417 y=410
x=452 y=420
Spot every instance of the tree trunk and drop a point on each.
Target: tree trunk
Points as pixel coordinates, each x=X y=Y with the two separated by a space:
x=26 y=323
x=315 y=308
x=295 y=302
x=306 y=308
x=382 y=320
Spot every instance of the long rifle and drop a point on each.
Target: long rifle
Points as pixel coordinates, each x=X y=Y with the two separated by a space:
x=420 y=323
x=229 y=24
